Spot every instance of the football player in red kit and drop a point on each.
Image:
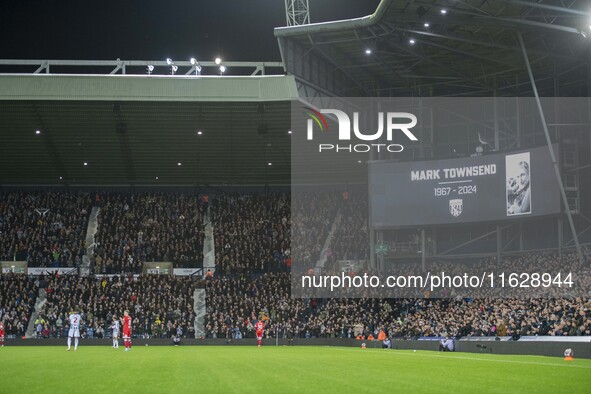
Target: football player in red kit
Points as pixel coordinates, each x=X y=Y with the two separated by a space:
x=1 y=334
x=127 y=330
x=260 y=326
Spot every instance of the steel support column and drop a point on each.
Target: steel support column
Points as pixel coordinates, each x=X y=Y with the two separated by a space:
x=560 y=237
x=423 y=249
x=499 y=243
x=549 y=143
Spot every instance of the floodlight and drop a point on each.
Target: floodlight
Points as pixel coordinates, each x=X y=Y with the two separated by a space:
x=218 y=61
x=168 y=61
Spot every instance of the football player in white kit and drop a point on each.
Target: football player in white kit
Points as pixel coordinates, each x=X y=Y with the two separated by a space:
x=115 y=328
x=74 y=329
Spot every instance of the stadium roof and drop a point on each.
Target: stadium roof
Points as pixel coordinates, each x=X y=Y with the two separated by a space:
x=445 y=48
x=135 y=130
x=131 y=129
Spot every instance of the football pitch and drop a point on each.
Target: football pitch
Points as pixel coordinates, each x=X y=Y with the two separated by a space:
x=270 y=369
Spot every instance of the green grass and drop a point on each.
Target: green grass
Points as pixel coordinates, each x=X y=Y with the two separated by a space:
x=270 y=369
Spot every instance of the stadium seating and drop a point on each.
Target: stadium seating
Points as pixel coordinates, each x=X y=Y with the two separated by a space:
x=46 y=229
x=135 y=228
x=251 y=232
x=17 y=302
x=351 y=238
x=252 y=247
x=158 y=304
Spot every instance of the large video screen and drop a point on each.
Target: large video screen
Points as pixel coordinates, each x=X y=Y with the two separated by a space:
x=482 y=188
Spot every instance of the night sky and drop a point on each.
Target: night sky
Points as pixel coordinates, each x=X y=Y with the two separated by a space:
x=236 y=30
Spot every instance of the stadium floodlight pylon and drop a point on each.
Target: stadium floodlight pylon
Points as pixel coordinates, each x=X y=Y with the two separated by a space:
x=297 y=12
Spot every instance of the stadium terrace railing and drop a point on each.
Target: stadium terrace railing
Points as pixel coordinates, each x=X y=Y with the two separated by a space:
x=169 y=67
x=51 y=271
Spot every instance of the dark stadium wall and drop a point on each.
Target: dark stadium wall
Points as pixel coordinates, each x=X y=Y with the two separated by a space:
x=551 y=349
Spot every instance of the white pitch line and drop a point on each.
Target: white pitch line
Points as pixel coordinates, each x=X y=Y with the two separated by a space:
x=472 y=358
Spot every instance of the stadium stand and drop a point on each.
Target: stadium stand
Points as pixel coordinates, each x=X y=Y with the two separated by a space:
x=351 y=239
x=235 y=303
x=145 y=227
x=314 y=214
x=158 y=304
x=251 y=232
x=17 y=302
x=252 y=239
x=409 y=318
x=486 y=317
x=46 y=229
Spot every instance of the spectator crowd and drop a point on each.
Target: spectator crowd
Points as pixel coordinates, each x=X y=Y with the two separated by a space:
x=235 y=304
x=251 y=233
x=351 y=238
x=253 y=237
x=18 y=294
x=134 y=228
x=313 y=216
x=46 y=229
x=158 y=304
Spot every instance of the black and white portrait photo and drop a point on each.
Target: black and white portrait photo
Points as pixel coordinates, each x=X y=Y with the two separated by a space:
x=518 y=176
